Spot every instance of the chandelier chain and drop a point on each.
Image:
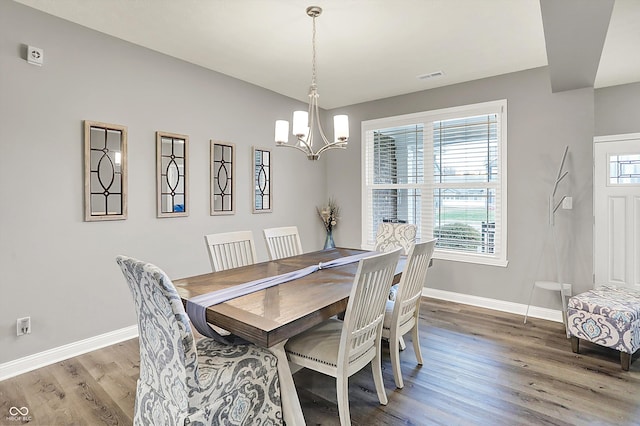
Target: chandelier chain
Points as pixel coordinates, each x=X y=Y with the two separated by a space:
x=313 y=54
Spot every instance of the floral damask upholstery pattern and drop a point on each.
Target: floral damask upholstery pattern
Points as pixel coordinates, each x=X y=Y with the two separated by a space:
x=393 y=235
x=390 y=236
x=184 y=382
x=608 y=316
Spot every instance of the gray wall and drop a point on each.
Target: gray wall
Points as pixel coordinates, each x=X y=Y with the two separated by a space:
x=540 y=124
x=60 y=270
x=617 y=110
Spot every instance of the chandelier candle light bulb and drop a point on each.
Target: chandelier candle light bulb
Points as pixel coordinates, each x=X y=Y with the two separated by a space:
x=341 y=127
x=282 y=131
x=305 y=123
x=300 y=123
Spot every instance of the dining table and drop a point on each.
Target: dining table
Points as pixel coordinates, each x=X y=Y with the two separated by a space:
x=269 y=317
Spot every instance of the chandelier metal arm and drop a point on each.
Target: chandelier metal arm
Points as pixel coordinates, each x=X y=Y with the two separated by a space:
x=332 y=145
x=300 y=148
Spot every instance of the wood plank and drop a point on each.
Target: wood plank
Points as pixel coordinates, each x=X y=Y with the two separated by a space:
x=94 y=402
x=112 y=376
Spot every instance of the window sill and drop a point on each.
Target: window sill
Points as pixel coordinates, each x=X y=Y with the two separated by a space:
x=457 y=257
x=480 y=260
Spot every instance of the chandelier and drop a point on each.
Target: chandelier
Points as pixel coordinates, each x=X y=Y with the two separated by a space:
x=305 y=122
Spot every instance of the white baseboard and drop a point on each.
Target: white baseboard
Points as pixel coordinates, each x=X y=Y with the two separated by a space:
x=51 y=356
x=498 y=305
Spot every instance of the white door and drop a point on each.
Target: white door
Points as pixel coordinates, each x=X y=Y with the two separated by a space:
x=616 y=199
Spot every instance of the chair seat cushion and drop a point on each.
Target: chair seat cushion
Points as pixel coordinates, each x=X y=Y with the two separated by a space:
x=393 y=292
x=388 y=313
x=319 y=344
x=613 y=302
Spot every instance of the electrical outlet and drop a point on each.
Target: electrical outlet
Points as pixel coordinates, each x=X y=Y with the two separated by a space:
x=23 y=326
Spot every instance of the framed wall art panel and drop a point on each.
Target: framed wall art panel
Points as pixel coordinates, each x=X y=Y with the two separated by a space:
x=105 y=171
x=223 y=178
x=172 y=174
x=262 y=180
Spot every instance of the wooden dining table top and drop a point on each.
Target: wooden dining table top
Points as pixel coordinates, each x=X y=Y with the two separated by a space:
x=269 y=316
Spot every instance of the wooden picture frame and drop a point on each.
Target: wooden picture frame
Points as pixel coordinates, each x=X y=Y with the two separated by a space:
x=262 y=179
x=105 y=171
x=172 y=174
x=222 y=168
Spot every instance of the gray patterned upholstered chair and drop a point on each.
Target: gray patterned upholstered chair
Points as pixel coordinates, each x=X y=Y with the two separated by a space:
x=183 y=382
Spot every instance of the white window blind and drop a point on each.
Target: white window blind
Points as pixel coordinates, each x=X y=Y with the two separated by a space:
x=444 y=171
x=396 y=166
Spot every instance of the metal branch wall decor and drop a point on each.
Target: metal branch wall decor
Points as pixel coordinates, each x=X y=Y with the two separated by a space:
x=262 y=195
x=172 y=174
x=223 y=178
x=105 y=171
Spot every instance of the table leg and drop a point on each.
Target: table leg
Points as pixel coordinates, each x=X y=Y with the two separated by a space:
x=291 y=409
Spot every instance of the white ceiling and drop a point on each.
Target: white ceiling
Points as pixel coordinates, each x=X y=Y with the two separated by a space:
x=367 y=49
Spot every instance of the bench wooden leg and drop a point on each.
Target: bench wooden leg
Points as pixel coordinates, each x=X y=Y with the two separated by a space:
x=625 y=360
x=575 y=344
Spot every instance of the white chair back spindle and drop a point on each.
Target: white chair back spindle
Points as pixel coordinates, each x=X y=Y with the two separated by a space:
x=282 y=242
x=365 y=311
x=231 y=250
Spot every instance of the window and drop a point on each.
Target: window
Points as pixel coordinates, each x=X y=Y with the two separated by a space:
x=624 y=169
x=444 y=171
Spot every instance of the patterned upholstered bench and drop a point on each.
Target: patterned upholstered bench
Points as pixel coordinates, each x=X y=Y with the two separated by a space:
x=608 y=316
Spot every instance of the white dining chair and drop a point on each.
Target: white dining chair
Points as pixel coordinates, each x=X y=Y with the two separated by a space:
x=342 y=348
x=231 y=250
x=401 y=314
x=186 y=382
x=282 y=242
x=390 y=236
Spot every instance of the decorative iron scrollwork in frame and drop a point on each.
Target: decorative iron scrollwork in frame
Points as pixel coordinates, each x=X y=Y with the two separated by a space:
x=262 y=195
x=223 y=178
x=172 y=174
x=105 y=171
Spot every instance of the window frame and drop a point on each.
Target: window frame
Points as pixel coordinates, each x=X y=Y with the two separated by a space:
x=426 y=119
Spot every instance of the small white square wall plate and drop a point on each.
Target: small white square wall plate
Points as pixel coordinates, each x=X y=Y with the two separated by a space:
x=35 y=55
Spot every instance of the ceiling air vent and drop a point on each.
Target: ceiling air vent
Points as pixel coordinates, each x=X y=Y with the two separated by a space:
x=430 y=75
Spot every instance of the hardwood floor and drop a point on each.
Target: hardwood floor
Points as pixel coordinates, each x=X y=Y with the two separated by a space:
x=481 y=367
